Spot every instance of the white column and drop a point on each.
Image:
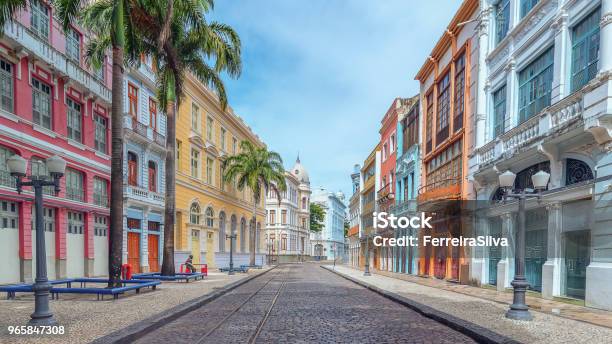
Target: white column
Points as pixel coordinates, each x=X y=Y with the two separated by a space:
x=144 y=241
x=511 y=119
x=561 y=73
x=551 y=271
x=505 y=267
x=605 y=33
x=483 y=50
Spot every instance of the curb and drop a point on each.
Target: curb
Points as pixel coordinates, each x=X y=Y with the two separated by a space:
x=134 y=331
x=476 y=332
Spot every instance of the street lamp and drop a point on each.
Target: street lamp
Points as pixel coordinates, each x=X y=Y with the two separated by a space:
x=56 y=166
x=519 y=309
x=231 y=264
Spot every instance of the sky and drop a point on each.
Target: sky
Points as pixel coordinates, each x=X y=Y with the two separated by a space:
x=319 y=75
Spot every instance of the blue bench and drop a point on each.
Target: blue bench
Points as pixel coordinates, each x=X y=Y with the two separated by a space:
x=100 y=292
x=252 y=266
x=179 y=276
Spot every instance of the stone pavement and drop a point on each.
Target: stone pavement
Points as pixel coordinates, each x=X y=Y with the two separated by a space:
x=303 y=303
x=486 y=308
x=86 y=319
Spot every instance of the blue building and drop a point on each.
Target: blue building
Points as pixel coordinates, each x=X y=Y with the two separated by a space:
x=408 y=180
x=329 y=242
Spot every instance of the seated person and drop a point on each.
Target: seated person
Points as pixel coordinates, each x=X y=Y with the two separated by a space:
x=189 y=264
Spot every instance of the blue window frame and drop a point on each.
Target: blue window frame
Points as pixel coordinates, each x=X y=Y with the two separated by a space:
x=499 y=111
x=535 y=84
x=502 y=20
x=527 y=5
x=585 y=50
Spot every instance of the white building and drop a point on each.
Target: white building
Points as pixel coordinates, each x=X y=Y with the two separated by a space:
x=544 y=93
x=288 y=221
x=329 y=242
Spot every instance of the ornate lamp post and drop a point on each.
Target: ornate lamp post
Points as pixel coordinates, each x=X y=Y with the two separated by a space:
x=231 y=264
x=519 y=309
x=56 y=166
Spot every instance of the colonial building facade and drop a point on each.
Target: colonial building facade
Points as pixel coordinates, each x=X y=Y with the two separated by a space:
x=208 y=209
x=51 y=103
x=329 y=242
x=144 y=168
x=287 y=234
x=545 y=106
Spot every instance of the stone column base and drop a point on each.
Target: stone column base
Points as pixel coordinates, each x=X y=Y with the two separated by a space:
x=25 y=270
x=60 y=269
x=477 y=272
x=551 y=279
x=598 y=282
x=89 y=267
x=505 y=274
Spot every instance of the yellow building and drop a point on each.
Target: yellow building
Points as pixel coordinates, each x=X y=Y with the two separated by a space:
x=208 y=209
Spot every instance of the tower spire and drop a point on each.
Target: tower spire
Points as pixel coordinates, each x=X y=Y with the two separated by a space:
x=298 y=158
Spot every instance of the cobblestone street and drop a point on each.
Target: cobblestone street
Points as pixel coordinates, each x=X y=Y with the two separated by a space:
x=303 y=303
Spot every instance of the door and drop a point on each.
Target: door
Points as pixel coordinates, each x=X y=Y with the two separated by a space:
x=535 y=257
x=195 y=246
x=455 y=262
x=440 y=262
x=494 y=250
x=133 y=249
x=577 y=258
x=153 y=253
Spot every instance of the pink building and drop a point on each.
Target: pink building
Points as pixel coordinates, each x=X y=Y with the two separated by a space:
x=51 y=103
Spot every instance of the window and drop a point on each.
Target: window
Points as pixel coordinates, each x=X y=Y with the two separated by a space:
x=39 y=19
x=178 y=154
x=272 y=217
x=73 y=45
x=153 y=226
x=132 y=169
x=9 y=215
x=209 y=128
x=443 y=109
x=195 y=117
x=284 y=217
x=526 y=6
x=535 y=83
x=209 y=170
x=74 y=185
x=459 y=93
x=577 y=171
x=6 y=86
x=39 y=169
x=100 y=192
x=445 y=168
x=41 y=103
x=210 y=217
x=304 y=203
x=392 y=143
x=195 y=163
x=194 y=214
x=384 y=151
x=5 y=176
x=100 y=135
x=100 y=72
x=234 y=145
x=74 y=120
x=502 y=20
x=283 y=242
x=429 y=123
x=100 y=225
x=75 y=222
x=133 y=223
x=152 y=176
x=152 y=113
x=499 y=111
x=410 y=128
x=223 y=138
x=585 y=50
x=133 y=100
x=48 y=219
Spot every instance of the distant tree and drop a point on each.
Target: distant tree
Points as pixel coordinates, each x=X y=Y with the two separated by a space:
x=347 y=226
x=317 y=217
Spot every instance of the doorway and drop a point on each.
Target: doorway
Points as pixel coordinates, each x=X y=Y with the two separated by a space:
x=153 y=253
x=195 y=246
x=577 y=258
x=133 y=248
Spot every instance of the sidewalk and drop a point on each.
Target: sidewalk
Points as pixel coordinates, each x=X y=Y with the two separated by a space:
x=86 y=319
x=486 y=308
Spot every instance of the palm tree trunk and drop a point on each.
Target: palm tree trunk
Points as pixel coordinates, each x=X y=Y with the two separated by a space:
x=169 y=215
x=253 y=234
x=116 y=208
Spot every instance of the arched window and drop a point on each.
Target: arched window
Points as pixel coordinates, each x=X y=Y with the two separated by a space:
x=132 y=169
x=210 y=214
x=222 y=232
x=194 y=213
x=152 y=176
x=577 y=171
x=523 y=178
x=243 y=238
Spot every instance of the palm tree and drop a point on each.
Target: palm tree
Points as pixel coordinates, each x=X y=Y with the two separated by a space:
x=119 y=27
x=180 y=41
x=258 y=169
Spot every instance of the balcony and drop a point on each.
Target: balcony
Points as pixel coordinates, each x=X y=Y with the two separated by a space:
x=143 y=195
x=7 y=180
x=553 y=119
x=385 y=193
x=57 y=61
x=404 y=207
x=446 y=189
x=145 y=134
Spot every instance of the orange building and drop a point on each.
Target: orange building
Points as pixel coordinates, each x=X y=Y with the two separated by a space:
x=447 y=94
